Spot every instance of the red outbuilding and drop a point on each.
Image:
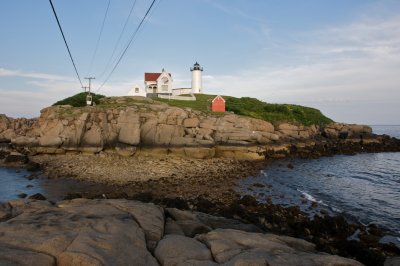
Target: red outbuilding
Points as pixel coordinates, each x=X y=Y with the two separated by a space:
x=218 y=104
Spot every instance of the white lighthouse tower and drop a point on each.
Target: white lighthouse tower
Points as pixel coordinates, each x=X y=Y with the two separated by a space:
x=197 y=83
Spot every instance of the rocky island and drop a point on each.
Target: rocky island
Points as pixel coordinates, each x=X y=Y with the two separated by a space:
x=176 y=157
x=138 y=126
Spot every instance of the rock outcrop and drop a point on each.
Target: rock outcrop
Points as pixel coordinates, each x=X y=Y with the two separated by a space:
x=233 y=247
x=127 y=125
x=122 y=232
x=79 y=232
x=20 y=131
x=336 y=130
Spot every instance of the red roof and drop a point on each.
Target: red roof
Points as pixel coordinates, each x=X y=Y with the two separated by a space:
x=151 y=76
x=219 y=98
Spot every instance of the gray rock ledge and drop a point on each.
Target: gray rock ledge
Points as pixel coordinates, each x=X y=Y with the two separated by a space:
x=123 y=232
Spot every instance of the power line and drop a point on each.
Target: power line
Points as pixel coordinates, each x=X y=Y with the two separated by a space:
x=119 y=39
x=155 y=8
x=99 y=38
x=65 y=41
x=90 y=79
x=128 y=45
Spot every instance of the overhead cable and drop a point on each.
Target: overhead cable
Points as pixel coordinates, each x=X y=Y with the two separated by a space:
x=99 y=38
x=65 y=41
x=119 y=39
x=128 y=44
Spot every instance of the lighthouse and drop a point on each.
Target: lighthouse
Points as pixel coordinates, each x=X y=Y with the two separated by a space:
x=197 y=83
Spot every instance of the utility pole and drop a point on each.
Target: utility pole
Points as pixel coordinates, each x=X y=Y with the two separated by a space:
x=85 y=88
x=90 y=79
x=89 y=100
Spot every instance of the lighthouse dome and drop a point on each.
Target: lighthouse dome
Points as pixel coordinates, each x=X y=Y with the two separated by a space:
x=196 y=66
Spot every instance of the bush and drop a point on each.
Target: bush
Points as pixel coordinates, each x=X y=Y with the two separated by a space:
x=255 y=108
x=246 y=106
x=79 y=100
x=275 y=112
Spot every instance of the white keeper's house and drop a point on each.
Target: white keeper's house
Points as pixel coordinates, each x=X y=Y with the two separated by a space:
x=160 y=84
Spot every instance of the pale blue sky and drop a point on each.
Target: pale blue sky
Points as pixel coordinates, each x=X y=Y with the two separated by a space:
x=340 y=56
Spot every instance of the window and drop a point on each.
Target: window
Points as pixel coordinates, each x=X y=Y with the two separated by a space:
x=136 y=90
x=164 y=87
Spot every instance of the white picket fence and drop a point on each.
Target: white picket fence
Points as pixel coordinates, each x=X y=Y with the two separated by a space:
x=177 y=97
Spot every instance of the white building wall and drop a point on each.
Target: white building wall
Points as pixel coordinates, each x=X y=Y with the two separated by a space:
x=137 y=91
x=181 y=91
x=177 y=97
x=164 y=83
x=197 y=83
x=149 y=84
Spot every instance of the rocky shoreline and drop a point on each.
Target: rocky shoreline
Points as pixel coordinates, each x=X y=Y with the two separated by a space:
x=179 y=158
x=122 y=232
x=209 y=187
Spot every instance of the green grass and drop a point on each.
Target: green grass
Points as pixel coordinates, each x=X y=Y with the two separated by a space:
x=257 y=109
x=123 y=101
x=79 y=100
x=245 y=106
x=201 y=104
x=69 y=112
x=276 y=112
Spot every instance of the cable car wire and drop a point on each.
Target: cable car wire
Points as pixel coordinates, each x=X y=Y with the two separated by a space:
x=65 y=41
x=119 y=39
x=99 y=38
x=128 y=44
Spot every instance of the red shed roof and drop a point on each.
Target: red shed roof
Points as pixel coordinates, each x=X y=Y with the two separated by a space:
x=218 y=97
x=151 y=76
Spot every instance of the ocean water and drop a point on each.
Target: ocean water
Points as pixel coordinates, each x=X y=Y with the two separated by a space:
x=393 y=131
x=363 y=187
x=13 y=182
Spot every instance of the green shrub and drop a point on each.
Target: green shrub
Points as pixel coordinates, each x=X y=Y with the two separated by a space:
x=79 y=100
x=255 y=108
x=245 y=106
